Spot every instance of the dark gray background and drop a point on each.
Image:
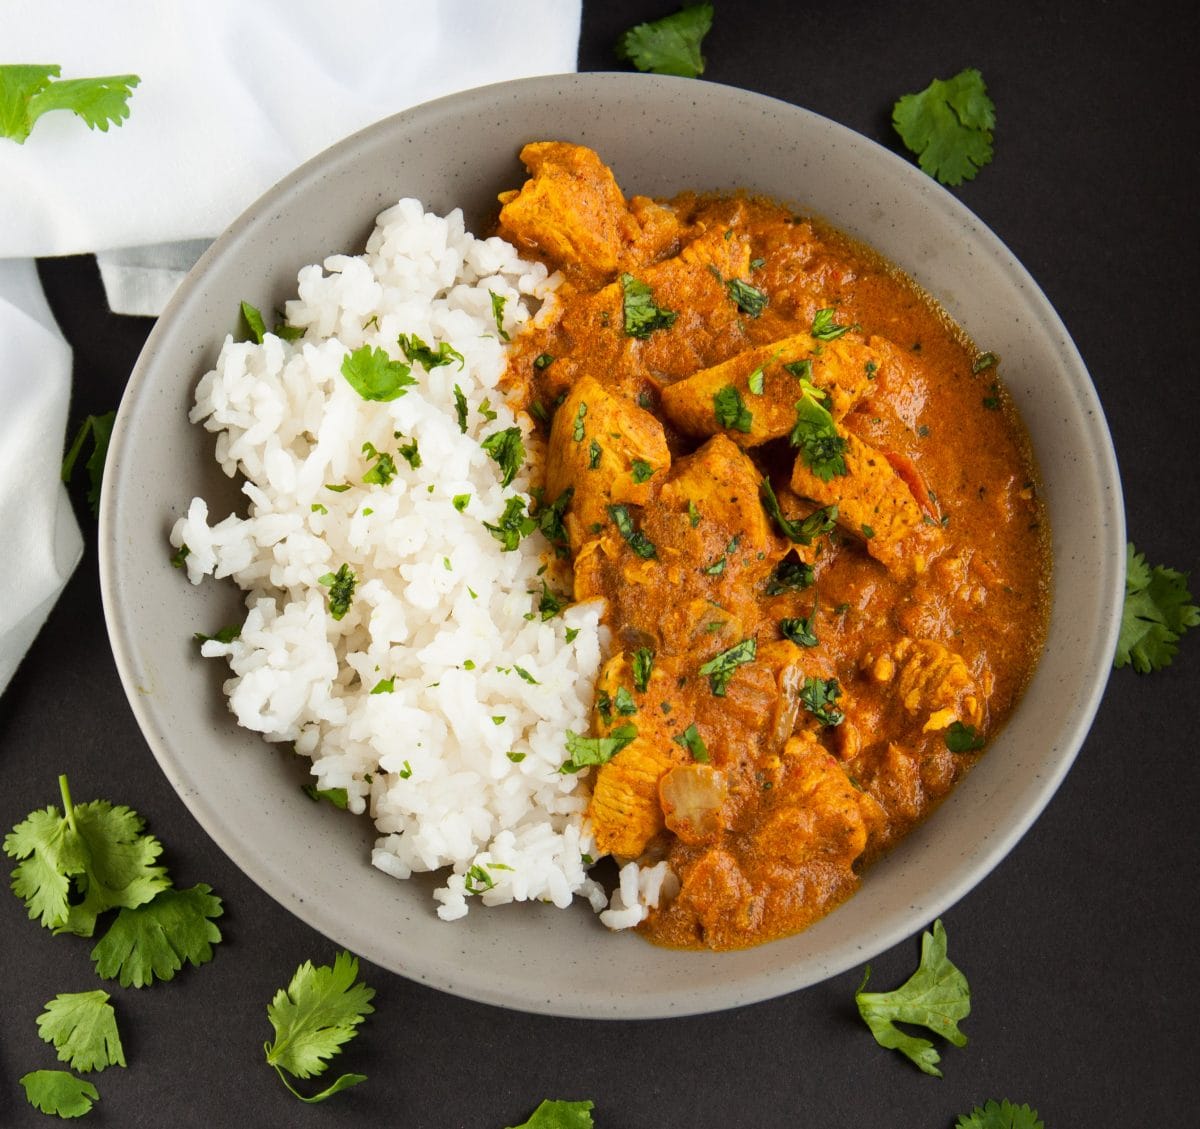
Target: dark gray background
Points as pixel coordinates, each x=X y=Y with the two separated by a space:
x=1079 y=948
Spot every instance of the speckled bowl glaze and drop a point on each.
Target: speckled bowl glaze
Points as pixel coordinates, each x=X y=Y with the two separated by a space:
x=661 y=136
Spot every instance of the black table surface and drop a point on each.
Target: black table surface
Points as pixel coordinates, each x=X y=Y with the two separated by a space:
x=1079 y=947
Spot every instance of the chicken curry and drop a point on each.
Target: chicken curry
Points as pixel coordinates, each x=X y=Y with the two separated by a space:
x=813 y=515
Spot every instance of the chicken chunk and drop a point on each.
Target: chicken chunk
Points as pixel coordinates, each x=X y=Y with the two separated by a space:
x=605 y=449
x=768 y=389
x=874 y=503
x=930 y=681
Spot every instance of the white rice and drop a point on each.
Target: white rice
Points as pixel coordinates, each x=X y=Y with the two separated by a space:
x=459 y=763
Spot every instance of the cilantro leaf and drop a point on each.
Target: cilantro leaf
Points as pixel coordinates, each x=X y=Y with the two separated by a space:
x=374 y=375
x=153 y=941
x=935 y=996
x=731 y=411
x=82 y=1027
x=814 y=433
x=100 y=429
x=59 y=1092
x=962 y=738
x=586 y=751
x=818 y=696
x=253 y=318
x=559 y=1115
x=29 y=90
x=720 y=668
x=948 y=125
x=1158 y=610
x=641 y=316
x=670 y=45
x=633 y=536
x=790 y=575
x=1000 y=1115
x=417 y=352
x=691 y=740
x=643 y=665
x=513 y=524
x=460 y=408
x=749 y=299
x=95 y=851
x=498 y=304
x=313 y=1017
x=800 y=630
x=341 y=585
x=507 y=450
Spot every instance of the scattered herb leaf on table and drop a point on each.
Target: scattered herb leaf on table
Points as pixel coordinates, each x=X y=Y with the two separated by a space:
x=1158 y=610
x=948 y=125
x=670 y=45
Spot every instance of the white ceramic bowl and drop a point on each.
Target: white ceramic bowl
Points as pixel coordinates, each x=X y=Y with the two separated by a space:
x=661 y=136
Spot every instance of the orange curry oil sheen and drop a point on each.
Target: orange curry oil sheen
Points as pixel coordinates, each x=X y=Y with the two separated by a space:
x=814 y=516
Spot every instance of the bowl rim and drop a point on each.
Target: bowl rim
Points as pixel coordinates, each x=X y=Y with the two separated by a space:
x=647 y=1005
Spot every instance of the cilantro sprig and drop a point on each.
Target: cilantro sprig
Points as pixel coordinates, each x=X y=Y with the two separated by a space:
x=559 y=1115
x=948 y=125
x=936 y=996
x=374 y=375
x=1157 y=612
x=100 y=430
x=816 y=435
x=29 y=90
x=670 y=45
x=313 y=1017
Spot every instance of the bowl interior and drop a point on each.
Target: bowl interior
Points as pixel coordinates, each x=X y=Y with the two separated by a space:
x=661 y=136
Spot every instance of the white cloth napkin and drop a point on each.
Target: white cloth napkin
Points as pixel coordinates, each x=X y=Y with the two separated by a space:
x=233 y=95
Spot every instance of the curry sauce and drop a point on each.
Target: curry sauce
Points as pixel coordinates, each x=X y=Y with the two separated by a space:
x=813 y=515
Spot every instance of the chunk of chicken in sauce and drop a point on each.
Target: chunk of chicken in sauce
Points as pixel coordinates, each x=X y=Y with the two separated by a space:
x=789 y=685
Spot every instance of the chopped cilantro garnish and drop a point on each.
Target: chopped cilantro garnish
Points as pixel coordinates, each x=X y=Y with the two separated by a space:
x=670 y=45
x=29 y=90
x=693 y=514
x=224 y=635
x=868 y=531
x=818 y=696
x=498 y=304
x=337 y=487
x=641 y=470
x=962 y=738
x=384 y=686
x=507 y=450
x=802 y=370
x=624 y=703
x=691 y=740
x=577 y=429
x=730 y=409
x=253 y=319
x=410 y=453
x=824 y=328
x=594 y=453
x=543 y=361
x=417 y=352
x=756 y=382
x=749 y=299
x=642 y=316
x=318 y=508
x=984 y=362
x=384 y=469
x=584 y=751
x=374 y=375
x=800 y=630
x=515 y=757
x=571 y=634
x=948 y=125
x=341 y=586
x=816 y=436
x=338 y=797
x=460 y=501
x=634 y=537
x=180 y=555
x=790 y=575
x=460 y=408
x=550 y=603
x=643 y=665
x=485 y=410
x=720 y=668
x=513 y=524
